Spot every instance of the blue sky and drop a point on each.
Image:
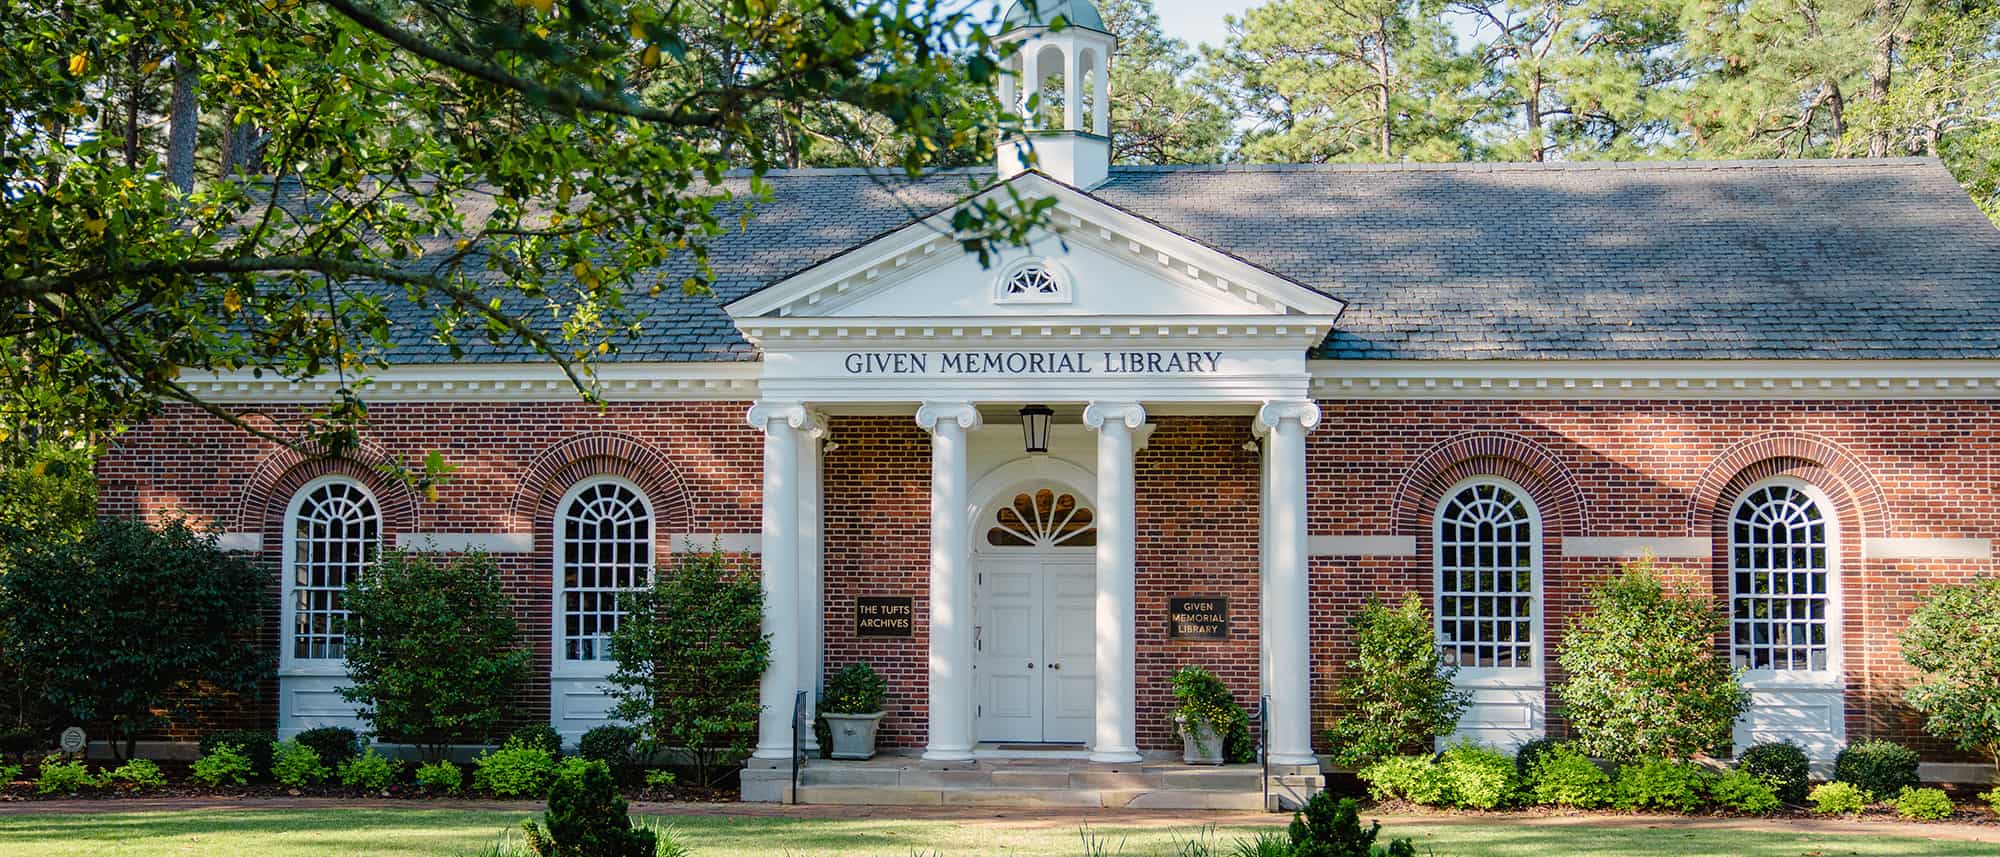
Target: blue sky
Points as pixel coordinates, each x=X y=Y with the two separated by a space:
x=1198 y=21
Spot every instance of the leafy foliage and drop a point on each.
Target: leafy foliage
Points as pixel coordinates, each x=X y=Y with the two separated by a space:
x=440 y=777
x=1201 y=697
x=224 y=765
x=610 y=744
x=129 y=627
x=587 y=817
x=855 y=689
x=514 y=770
x=1480 y=778
x=1332 y=828
x=1839 y=798
x=1782 y=764
x=1663 y=784
x=1531 y=752
x=1953 y=640
x=1417 y=779
x=1163 y=111
x=370 y=771
x=137 y=775
x=63 y=777
x=437 y=657
x=1644 y=680
x=1746 y=793
x=690 y=652
x=1564 y=776
x=256 y=744
x=1992 y=799
x=1919 y=804
x=539 y=735
x=334 y=744
x=1398 y=693
x=660 y=778
x=294 y=764
x=1878 y=766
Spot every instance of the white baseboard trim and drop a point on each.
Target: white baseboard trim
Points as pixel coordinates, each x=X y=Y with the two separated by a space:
x=1927 y=548
x=466 y=542
x=1955 y=772
x=1362 y=546
x=1637 y=546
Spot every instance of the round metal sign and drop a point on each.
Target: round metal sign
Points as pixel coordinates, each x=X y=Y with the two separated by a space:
x=73 y=740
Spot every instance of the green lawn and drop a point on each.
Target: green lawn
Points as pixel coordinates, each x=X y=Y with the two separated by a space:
x=410 y=833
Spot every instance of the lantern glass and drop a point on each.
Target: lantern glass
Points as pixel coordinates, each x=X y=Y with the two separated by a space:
x=1035 y=428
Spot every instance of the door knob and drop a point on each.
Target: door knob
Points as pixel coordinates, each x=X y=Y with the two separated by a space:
x=1055 y=666
x=1031 y=665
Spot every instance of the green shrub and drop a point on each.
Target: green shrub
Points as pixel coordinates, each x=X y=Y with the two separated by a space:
x=587 y=817
x=138 y=775
x=1200 y=696
x=609 y=744
x=334 y=744
x=1480 y=778
x=660 y=778
x=1564 y=776
x=254 y=743
x=294 y=764
x=691 y=651
x=1923 y=804
x=1878 y=767
x=1397 y=695
x=60 y=777
x=1954 y=643
x=1531 y=752
x=1662 y=784
x=370 y=771
x=16 y=742
x=1416 y=779
x=515 y=770
x=442 y=658
x=1781 y=764
x=440 y=778
x=1329 y=828
x=226 y=764
x=1838 y=798
x=855 y=689
x=1992 y=799
x=1746 y=793
x=1644 y=681
x=116 y=627
x=541 y=736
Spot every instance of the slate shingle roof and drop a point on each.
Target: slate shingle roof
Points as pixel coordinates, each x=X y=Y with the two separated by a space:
x=1774 y=259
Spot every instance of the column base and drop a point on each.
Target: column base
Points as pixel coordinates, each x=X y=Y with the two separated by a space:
x=772 y=754
x=948 y=755
x=1116 y=756
x=1296 y=759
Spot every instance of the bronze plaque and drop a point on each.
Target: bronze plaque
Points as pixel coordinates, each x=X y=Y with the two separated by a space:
x=1204 y=617
x=884 y=615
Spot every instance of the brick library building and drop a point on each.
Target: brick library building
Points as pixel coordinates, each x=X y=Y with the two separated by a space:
x=1204 y=416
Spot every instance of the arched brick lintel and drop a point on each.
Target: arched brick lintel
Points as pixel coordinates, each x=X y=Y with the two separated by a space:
x=556 y=469
x=269 y=490
x=1502 y=454
x=1812 y=459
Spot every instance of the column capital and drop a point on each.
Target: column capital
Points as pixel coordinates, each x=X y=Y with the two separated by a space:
x=762 y=414
x=1132 y=414
x=930 y=414
x=816 y=426
x=1304 y=411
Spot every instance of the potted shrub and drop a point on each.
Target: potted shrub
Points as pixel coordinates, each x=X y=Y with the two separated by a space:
x=852 y=708
x=1204 y=713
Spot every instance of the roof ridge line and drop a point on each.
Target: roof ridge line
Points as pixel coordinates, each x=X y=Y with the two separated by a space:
x=1529 y=166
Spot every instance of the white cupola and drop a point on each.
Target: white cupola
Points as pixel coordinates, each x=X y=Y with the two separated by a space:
x=1071 y=128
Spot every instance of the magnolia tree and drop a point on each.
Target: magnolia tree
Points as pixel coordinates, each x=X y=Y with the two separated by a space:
x=1953 y=640
x=1398 y=693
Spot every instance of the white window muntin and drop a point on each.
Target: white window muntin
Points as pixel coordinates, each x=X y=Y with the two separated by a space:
x=333 y=530
x=1487 y=580
x=604 y=546
x=1033 y=281
x=1797 y=573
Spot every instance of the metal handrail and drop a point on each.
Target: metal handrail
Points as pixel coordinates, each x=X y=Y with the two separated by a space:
x=798 y=747
x=1264 y=745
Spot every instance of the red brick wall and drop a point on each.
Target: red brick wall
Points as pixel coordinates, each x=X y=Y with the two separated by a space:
x=1661 y=469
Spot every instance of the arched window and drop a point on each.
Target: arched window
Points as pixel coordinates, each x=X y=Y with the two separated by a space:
x=1039 y=281
x=1043 y=518
x=604 y=546
x=1779 y=582
x=334 y=529
x=1488 y=560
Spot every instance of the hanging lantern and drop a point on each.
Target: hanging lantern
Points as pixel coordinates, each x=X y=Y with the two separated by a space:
x=1035 y=428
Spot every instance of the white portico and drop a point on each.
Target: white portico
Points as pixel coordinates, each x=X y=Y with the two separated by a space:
x=1110 y=319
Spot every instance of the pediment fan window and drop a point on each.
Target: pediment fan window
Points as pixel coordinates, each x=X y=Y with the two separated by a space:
x=1034 y=281
x=1043 y=519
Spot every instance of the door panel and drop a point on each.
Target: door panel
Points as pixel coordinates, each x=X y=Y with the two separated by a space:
x=1069 y=651
x=1008 y=663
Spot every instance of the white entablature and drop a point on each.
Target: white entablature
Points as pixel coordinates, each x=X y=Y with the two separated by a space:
x=1101 y=303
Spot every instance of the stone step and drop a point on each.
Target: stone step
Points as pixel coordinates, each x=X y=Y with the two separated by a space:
x=1184 y=799
x=993 y=797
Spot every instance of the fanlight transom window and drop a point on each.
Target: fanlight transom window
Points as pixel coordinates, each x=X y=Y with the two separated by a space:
x=1486 y=578
x=336 y=532
x=1043 y=518
x=607 y=549
x=1033 y=282
x=1778 y=581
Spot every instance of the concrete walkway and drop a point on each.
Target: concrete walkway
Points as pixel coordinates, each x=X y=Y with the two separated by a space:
x=1028 y=819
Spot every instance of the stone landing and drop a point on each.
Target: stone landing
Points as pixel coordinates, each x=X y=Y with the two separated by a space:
x=1033 y=783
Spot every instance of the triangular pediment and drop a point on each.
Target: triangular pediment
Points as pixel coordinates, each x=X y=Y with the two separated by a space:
x=1092 y=261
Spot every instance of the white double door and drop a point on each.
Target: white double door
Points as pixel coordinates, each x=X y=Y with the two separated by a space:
x=1036 y=660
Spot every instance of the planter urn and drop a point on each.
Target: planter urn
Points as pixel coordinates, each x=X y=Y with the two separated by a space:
x=853 y=734
x=1200 y=745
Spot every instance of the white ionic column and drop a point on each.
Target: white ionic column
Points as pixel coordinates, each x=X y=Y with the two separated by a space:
x=1288 y=624
x=812 y=574
x=1117 y=569
x=951 y=713
x=781 y=423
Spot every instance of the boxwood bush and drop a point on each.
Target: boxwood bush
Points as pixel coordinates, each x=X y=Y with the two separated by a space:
x=1879 y=767
x=1782 y=764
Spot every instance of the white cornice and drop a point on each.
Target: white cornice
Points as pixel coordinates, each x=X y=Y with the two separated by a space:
x=974 y=332
x=500 y=382
x=1655 y=379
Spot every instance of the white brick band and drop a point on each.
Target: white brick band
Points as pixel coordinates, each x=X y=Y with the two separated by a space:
x=1927 y=548
x=1628 y=547
x=1363 y=546
x=466 y=542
